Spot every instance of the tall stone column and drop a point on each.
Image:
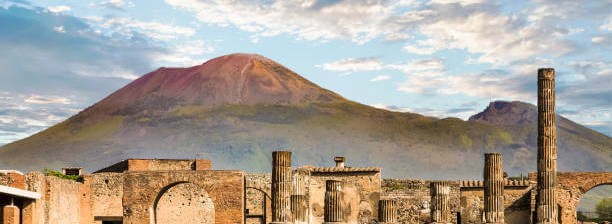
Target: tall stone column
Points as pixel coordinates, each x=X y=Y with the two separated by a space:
x=440 y=202
x=547 y=148
x=493 y=189
x=281 y=187
x=387 y=213
x=333 y=212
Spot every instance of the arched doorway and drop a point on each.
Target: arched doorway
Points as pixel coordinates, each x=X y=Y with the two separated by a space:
x=258 y=205
x=571 y=186
x=184 y=203
x=586 y=209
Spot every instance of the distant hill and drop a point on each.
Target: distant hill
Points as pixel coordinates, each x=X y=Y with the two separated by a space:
x=237 y=108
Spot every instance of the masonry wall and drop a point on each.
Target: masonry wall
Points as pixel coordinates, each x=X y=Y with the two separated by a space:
x=106 y=193
x=414 y=199
x=516 y=203
x=258 y=198
x=225 y=188
x=361 y=195
x=62 y=201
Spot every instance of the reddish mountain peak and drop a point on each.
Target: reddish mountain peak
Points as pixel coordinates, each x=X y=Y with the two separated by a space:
x=246 y=79
x=507 y=113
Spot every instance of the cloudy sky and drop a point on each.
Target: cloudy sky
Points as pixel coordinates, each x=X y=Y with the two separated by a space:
x=435 y=57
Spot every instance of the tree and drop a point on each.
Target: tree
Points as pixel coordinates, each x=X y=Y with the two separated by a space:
x=604 y=208
x=581 y=216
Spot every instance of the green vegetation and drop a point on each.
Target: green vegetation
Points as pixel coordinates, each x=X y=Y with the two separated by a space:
x=49 y=172
x=604 y=208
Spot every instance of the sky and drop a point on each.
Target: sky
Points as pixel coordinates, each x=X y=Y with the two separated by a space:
x=441 y=58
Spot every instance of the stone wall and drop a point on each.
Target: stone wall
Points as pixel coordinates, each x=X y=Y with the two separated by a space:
x=361 y=195
x=516 y=203
x=258 y=198
x=106 y=193
x=142 y=189
x=12 y=179
x=62 y=201
x=157 y=165
x=414 y=199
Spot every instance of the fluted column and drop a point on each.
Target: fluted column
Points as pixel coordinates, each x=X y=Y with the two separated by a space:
x=440 y=202
x=281 y=187
x=387 y=213
x=493 y=189
x=333 y=212
x=547 y=148
x=299 y=202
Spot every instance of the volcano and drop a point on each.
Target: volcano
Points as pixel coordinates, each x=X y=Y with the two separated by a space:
x=237 y=108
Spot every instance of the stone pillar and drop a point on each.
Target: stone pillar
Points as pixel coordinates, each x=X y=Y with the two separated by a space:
x=281 y=187
x=440 y=202
x=299 y=202
x=387 y=213
x=493 y=189
x=333 y=211
x=299 y=208
x=10 y=214
x=547 y=148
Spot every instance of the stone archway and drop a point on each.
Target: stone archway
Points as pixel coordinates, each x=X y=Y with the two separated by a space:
x=572 y=186
x=183 y=203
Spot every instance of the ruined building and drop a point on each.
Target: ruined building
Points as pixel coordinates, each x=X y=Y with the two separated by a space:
x=161 y=191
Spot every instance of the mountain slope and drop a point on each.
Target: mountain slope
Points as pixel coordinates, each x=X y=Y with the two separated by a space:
x=238 y=108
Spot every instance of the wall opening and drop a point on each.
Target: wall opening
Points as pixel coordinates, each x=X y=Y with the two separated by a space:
x=587 y=207
x=184 y=203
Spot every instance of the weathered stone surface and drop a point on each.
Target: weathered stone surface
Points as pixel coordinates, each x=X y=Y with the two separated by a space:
x=334 y=208
x=142 y=189
x=414 y=199
x=11 y=214
x=185 y=203
x=440 y=202
x=361 y=192
x=282 y=187
x=546 y=205
x=493 y=189
x=387 y=213
x=571 y=186
x=106 y=193
x=258 y=198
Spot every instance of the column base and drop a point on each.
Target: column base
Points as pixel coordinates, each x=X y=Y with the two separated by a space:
x=281 y=222
x=334 y=222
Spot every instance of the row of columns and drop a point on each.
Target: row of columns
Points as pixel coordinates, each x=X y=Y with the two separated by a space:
x=292 y=208
x=289 y=203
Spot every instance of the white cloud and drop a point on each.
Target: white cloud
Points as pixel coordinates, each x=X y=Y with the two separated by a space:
x=359 y=22
x=155 y=30
x=188 y=53
x=353 y=65
x=35 y=99
x=461 y=2
x=380 y=78
x=59 y=29
x=598 y=39
x=59 y=8
x=117 y=4
x=422 y=67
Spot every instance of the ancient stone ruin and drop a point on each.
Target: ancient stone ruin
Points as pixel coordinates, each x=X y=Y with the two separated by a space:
x=163 y=191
